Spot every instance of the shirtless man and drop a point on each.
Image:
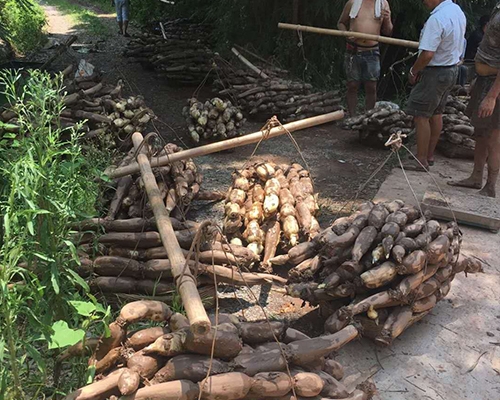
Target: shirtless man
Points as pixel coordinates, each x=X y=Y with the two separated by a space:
x=484 y=110
x=362 y=58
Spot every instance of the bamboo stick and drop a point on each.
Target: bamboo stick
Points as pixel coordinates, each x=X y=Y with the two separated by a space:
x=185 y=281
x=228 y=144
x=249 y=64
x=358 y=35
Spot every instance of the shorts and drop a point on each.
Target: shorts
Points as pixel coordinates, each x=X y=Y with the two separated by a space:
x=482 y=126
x=121 y=10
x=430 y=94
x=363 y=66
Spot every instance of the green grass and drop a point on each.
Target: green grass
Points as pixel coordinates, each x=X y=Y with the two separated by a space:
x=86 y=19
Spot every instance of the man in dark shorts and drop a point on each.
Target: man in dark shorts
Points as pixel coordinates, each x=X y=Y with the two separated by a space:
x=362 y=58
x=434 y=74
x=484 y=110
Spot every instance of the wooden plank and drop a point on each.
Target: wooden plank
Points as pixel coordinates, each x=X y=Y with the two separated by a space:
x=470 y=209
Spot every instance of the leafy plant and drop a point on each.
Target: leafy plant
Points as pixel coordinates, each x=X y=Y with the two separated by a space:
x=21 y=24
x=47 y=184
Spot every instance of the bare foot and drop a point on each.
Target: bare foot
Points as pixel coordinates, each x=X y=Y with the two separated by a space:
x=468 y=183
x=488 y=191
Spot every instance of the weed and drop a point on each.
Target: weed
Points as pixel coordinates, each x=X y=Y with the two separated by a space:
x=47 y=184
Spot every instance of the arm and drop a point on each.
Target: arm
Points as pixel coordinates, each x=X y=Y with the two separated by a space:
x=488 y=104
x=387 y=26
x=422 y=61
x=343 y=23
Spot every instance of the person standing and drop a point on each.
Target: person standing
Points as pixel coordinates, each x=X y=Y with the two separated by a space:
x=433 y=75
x=122 y=12
x=362 y=58
x=476 y=37
x=484 y=110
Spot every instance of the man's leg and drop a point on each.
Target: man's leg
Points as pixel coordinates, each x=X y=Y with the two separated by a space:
x=423 y=127
x=120 y=26
x=493 y=164
x=125 y=26
x=371 y=94
x=475 y=181
x=352 y=97
x=436 y=124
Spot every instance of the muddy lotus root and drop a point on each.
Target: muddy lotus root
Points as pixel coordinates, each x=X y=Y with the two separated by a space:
x=169 y=362
x=382 y=268
x=271 y=208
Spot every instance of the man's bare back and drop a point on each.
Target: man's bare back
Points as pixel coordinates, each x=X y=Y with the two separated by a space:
x=366 y=22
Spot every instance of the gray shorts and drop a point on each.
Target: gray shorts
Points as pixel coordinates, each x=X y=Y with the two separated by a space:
x=482 y=126
x=121 y=10
x=363 y=66
x=429 y=95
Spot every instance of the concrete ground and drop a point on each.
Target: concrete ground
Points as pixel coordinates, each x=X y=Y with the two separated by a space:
x=453 y=353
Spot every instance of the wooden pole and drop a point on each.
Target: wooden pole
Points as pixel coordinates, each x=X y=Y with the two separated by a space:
x=185 y=281
x=249 y=64
x=358 y=35
x=255 y=137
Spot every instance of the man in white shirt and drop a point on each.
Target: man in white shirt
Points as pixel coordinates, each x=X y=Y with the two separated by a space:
x=434 y=73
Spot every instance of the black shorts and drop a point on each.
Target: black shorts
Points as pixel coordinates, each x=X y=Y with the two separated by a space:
x=362 y=66
x=482 y=126
x=429 y=95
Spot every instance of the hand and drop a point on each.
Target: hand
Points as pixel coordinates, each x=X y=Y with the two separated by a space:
x=413 y=77
x=487 y=107
x=386 y=13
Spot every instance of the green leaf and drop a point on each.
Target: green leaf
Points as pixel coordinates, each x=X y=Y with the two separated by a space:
x=79 y=280
x=35 y=355
x=84 y=308
x=64 y=336
x=31 y=230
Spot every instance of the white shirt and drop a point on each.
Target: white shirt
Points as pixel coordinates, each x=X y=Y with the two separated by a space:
x=444 y=33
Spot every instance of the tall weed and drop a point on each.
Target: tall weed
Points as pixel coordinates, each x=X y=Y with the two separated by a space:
x=48 y=183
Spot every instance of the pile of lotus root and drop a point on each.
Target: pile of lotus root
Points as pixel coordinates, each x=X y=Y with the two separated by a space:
x=385 y=266
x=270 y=208
x=378 y=124
x=123 y=257
x=457 y=140
x=213 y=120
x=234 y=360
x=100 y=107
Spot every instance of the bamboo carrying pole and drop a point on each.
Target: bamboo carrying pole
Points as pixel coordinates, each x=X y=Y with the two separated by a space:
x=185 y=281
x=228 y=144
x=249 y=64
x=358 y=35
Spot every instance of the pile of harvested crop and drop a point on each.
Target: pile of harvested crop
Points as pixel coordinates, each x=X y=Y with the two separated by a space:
x=271 y=208
x=457 y=140
x=385 y=263
x=378 y=124
x=100 y=107
x=123 y=257
x=182 y=57
x=179 y=183
x=250 y=360
x=262 y=98
x=213 y=120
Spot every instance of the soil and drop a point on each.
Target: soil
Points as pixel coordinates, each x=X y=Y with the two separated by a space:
x=339 y=163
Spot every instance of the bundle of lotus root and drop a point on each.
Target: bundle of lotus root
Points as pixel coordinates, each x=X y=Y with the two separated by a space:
x=378 y=124
x=170 y=362
x=271 y=208
x=386 y=262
